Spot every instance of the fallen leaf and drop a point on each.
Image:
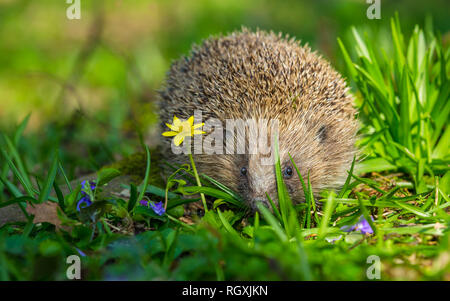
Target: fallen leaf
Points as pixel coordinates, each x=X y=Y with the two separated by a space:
x=47 y=212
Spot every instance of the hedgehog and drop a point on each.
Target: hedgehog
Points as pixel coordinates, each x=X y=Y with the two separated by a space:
x=261 y=75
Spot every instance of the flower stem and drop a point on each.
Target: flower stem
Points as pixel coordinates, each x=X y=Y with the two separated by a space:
x=181 y=223
x=198 y=181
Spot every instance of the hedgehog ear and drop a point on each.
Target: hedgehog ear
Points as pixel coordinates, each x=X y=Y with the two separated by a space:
x=322 y=133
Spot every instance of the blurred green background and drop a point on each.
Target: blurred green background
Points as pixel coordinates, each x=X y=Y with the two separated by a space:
x=90 y=84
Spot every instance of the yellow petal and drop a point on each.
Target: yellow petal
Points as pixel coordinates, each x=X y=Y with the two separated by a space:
x=198 y=132
x=178 y=139
x=169 y=134
x=176 y=121
x=172 y=127
x=198 y=125
x=191 y=120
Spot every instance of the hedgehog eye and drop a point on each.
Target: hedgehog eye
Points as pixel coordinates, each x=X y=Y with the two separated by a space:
x=288 y=172
x=243 y=171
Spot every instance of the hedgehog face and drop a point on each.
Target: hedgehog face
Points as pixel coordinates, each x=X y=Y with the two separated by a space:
x=312 y=147
x=257 y=180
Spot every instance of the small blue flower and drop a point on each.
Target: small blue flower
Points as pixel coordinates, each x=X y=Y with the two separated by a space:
x=85 y=187
x=84 y=200
x=158 y=208
x=362 y=225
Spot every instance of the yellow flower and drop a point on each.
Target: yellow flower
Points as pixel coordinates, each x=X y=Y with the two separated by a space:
x=181 y=129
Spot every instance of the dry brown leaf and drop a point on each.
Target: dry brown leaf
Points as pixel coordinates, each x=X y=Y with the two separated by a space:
x=46 y=212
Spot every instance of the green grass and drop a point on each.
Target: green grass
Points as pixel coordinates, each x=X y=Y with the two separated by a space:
x=402 y=183
x=404 y=103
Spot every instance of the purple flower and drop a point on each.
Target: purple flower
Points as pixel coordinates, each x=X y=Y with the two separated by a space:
x=84 y=200
x=158 y=208
x=362 y=225
x=84 y=187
